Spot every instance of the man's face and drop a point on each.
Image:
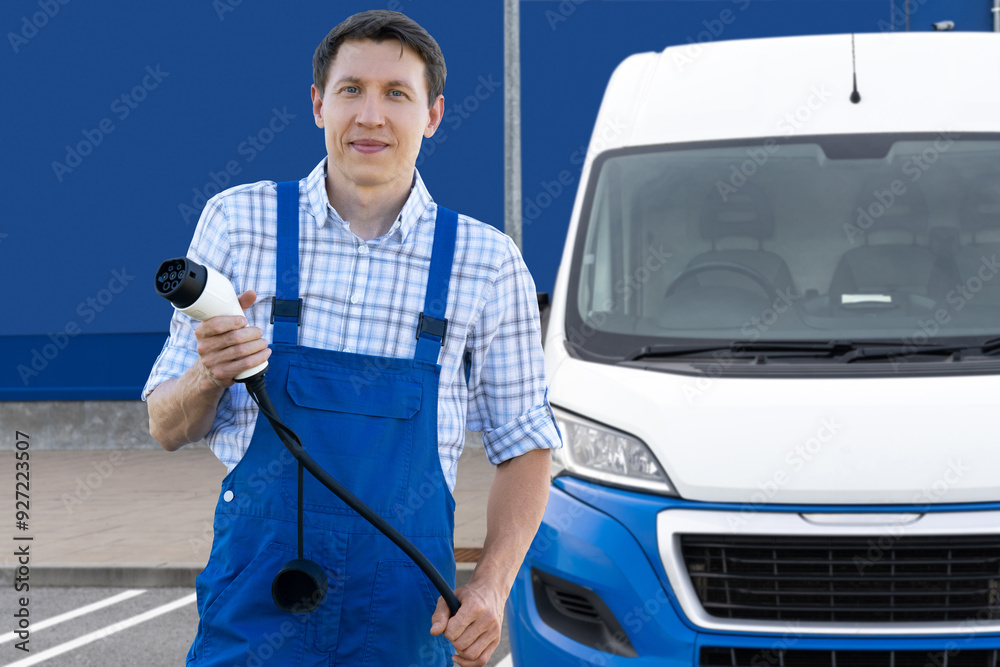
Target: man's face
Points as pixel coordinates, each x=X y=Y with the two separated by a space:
x=374 y=113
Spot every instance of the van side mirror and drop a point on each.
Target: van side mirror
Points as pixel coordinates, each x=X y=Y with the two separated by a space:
x=543 y=312
x=543 y=301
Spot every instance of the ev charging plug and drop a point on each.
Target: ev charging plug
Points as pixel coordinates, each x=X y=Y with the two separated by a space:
x=201 y=292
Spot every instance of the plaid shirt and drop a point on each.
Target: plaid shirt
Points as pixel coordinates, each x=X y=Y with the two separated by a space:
x=364 y=297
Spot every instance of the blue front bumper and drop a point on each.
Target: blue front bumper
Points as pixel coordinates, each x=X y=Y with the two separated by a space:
x=604 y=540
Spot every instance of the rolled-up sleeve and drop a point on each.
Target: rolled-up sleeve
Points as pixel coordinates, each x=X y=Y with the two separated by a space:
x=210 y=247
x=507 y=392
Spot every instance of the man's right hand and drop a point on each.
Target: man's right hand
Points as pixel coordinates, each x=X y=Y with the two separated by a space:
x=227 y=346
x=182 y=409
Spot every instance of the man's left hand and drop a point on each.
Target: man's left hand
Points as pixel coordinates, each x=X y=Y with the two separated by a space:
x=475 y=630
x=513 y=511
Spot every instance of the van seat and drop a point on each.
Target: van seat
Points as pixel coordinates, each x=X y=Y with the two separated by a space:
x=890 y=259
x=980 y=217
x=745 y=213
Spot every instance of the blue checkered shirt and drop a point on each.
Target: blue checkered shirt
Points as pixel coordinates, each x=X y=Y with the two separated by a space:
x=364 y=297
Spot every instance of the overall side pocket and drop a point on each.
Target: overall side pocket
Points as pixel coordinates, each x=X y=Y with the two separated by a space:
x=400 y=620
x=243 y=616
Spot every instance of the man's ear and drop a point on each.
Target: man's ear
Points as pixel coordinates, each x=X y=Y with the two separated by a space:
x=317 y=102
x=435 y=114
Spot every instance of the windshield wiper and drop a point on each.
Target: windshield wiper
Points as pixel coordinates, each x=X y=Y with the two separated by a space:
x=987 y=347
x=868 y=353
x=743 y=349
x=841 y=351
x=991 y=346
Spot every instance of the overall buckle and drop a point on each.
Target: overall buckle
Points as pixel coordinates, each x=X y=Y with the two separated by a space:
x=286 y=308
x=432 y=326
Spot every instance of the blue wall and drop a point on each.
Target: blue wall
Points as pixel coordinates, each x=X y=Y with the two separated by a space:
x=120 y=120
x=100 y=188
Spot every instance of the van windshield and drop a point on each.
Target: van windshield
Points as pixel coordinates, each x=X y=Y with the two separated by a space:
x=878 y=238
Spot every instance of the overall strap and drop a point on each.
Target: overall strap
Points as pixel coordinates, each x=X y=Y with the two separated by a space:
x=287 y=305
x=431 y=325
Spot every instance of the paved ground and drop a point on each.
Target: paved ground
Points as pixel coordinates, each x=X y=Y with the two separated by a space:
x=137 y=525
x=98 y=627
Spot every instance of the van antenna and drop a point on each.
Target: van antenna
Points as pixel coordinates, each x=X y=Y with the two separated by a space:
x=855 y=96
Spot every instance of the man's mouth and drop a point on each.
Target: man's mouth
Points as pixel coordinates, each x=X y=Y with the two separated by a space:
x=368 y=146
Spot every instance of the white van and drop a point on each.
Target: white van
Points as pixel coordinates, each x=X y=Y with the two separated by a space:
x=774 y=356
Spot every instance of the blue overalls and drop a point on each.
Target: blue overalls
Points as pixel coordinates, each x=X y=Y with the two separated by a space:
x=372 y=423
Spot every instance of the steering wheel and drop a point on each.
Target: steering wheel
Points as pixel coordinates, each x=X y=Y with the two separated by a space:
x=759 y=278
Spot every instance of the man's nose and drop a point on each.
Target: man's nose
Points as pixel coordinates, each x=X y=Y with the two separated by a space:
x=370 y=114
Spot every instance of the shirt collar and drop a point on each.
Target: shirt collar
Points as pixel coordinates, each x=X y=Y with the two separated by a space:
x=319 y=204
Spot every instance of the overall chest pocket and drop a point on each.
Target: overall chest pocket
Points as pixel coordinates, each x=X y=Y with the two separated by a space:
x=359 y=426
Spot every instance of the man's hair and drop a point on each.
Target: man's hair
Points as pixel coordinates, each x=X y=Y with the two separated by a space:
x=379 y=25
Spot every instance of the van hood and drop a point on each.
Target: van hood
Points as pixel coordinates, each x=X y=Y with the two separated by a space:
x=829 y=441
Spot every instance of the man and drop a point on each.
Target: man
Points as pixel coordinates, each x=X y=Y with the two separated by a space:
x=364 y=368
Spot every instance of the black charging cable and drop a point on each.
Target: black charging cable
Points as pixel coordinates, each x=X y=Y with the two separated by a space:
x=201 y=293
x=256 y=388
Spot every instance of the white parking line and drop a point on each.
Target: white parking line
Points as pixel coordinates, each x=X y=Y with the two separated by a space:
x=55 y=620
x=104 y=632
x=506 y=662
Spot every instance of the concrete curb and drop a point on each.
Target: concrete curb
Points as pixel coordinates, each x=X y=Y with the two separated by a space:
x=112 y=575
x=134 y=576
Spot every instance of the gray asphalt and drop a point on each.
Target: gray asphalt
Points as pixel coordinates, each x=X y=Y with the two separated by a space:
x=161 y=641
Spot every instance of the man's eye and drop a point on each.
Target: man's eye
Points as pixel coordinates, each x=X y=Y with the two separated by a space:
x=351 y=89
x=396 y=93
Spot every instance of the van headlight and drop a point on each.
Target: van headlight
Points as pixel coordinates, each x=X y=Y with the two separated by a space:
x=603 y=454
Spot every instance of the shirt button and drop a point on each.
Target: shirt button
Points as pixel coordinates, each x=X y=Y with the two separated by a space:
x=355 y=298
x=228 y=496
x=363 y=249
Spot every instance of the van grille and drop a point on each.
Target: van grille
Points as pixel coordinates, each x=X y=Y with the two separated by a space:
x=716 y=656
x=875 y=579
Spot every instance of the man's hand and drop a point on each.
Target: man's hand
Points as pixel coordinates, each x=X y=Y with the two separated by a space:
x=227 y=346
x=513 y=512
x=475 y=630
x=182 y=409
